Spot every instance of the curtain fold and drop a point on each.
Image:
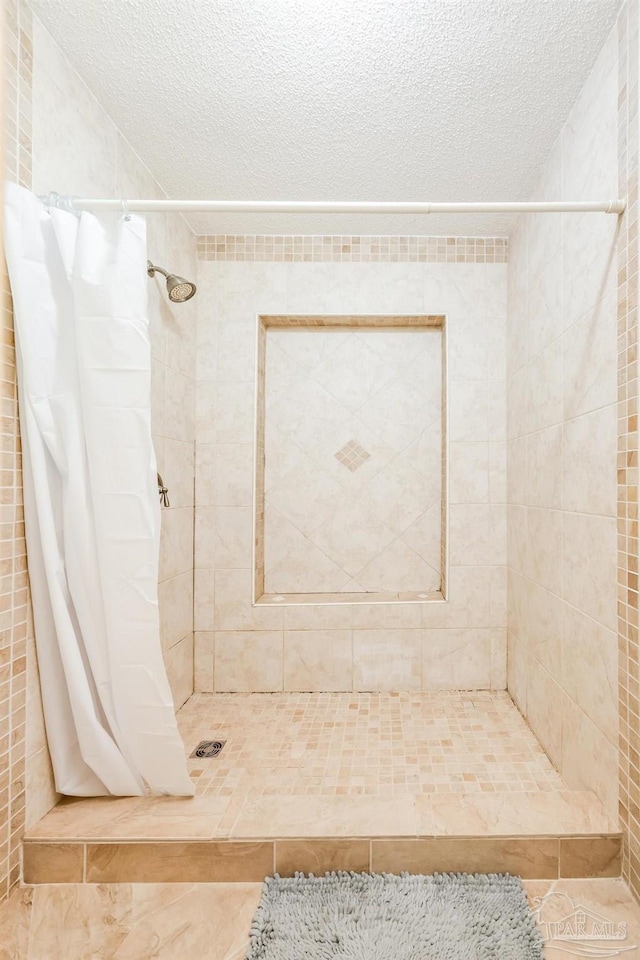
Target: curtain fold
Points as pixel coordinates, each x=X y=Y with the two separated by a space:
x=92 y=515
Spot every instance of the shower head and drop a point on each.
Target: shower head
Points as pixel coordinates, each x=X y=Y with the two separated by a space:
x=178 y=289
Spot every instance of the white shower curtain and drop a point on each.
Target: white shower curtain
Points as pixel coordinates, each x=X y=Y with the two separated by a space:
x=92 y=512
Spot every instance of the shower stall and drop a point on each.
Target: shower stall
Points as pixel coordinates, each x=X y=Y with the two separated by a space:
x=396 y=577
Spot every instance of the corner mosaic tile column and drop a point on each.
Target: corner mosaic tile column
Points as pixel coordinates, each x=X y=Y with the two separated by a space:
x=15 y=624
x=628 y=444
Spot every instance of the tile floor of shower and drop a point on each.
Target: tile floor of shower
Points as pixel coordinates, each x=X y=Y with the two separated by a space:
x=328 y=764
x=450 y=760
x=364 y=744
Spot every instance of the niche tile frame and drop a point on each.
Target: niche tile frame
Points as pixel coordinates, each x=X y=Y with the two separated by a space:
x=339 y=321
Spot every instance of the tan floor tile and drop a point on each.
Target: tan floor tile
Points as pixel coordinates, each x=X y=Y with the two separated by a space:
x=136 y=922
x=326 y=817
x=212 y=862
x=133 y=818
x=514 y=814
x=53 y=862
x=15 y=923
x=321 y=856
x=592 y=857
x=608 y=899
x=529 y=857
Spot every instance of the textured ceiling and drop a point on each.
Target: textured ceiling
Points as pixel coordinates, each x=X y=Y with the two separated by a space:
x=337 y=99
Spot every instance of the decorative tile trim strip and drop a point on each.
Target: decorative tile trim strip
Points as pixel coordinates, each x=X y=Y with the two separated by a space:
x=346 y=599
x=304 y=248
x=379 y=320
x=629 y=669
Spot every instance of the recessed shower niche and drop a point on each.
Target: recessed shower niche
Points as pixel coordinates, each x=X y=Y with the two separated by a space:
x=350 y=491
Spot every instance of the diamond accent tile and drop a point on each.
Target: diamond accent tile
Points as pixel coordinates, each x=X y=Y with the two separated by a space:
x=352 y=455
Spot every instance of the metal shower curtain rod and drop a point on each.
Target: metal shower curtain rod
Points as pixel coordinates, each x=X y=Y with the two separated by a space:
x=616 y=206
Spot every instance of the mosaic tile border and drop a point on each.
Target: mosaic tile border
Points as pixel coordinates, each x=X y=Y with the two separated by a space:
x=16 y=623
x=302 y=248
x=18 y=82
x=629 y=653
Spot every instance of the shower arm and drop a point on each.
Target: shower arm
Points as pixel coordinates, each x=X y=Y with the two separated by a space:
x=616 y=206
x=152 y=269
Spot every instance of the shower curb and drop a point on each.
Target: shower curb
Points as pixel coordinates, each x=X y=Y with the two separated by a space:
x=250 y=860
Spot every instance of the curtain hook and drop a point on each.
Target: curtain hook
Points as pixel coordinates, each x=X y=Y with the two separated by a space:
x=125 y=209
x=54 y=199
x=50 y=199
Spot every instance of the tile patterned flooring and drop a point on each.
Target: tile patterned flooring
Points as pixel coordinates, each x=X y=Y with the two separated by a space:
x=327 y=765
x=366 y=744
x=198 y=921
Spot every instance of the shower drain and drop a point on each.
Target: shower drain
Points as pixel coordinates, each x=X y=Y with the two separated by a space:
x=208 y=748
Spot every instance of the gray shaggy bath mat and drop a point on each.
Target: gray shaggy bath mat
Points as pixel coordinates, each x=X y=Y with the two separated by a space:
x=359 y=916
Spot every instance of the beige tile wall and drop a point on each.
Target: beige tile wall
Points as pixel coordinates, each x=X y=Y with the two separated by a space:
x=353 y=446
x=561 y=402
x=402 y=646
x=16 y=625
x=77 y=149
